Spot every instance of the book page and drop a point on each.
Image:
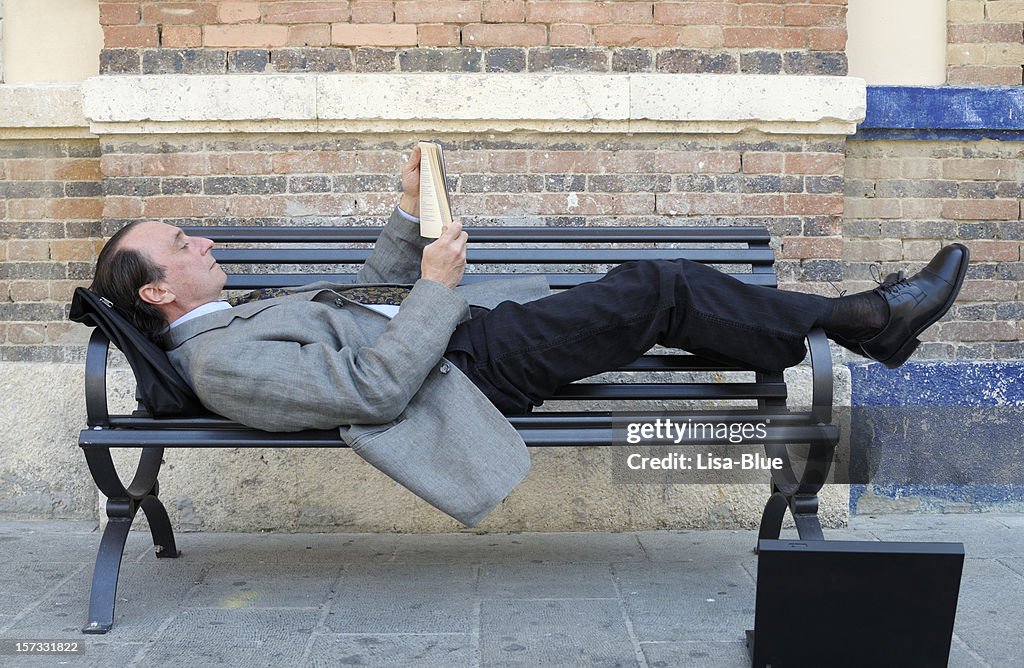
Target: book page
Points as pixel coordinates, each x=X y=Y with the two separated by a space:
x=435 y=211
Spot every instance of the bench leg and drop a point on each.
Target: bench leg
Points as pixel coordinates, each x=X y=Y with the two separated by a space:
x=160 y=527
x=104 y=575
x=804 y=508
x=123 y=504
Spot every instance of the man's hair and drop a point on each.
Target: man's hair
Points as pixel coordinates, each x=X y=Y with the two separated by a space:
x=120 y=272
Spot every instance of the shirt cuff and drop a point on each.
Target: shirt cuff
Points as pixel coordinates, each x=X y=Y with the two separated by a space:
x=408 y=216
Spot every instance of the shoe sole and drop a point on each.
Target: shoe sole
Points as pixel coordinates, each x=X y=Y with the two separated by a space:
x=911 y=344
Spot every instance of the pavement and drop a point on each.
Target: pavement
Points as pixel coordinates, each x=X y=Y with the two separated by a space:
x=649 y=599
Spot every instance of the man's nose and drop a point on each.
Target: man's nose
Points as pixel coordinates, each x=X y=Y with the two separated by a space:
x=205 y=244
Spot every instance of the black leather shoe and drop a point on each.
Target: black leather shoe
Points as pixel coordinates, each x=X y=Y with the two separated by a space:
x=915 y=303
x=854 y=344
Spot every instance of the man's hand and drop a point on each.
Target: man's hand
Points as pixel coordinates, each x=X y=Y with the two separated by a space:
x=410 y=202
x=444 y=260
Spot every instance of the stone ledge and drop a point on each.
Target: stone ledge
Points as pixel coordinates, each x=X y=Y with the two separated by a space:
x=42 y=110
x=459 y=103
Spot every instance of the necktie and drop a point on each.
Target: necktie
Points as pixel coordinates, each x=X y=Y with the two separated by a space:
x=261 y=293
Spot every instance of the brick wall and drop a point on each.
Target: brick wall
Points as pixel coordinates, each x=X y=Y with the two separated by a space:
x=986 y=42
x=905 y=199
x=718 y=36
x=794 y=185
x=50 y=208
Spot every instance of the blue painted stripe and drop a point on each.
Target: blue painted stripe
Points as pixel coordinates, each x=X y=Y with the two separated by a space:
x=945 y=108
x=881 y=134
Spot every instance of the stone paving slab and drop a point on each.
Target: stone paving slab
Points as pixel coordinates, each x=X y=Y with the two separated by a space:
x=649 y=599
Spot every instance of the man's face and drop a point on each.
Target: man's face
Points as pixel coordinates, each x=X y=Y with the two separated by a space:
x=192 y=276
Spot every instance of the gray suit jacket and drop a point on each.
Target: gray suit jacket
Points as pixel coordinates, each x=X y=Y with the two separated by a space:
x=317 y=360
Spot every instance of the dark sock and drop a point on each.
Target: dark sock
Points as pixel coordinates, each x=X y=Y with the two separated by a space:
x=857 y=317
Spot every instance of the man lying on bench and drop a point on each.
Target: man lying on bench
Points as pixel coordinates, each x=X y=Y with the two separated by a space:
x=326 y=356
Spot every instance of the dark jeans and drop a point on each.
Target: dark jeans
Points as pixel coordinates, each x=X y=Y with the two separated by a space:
x=518 y=354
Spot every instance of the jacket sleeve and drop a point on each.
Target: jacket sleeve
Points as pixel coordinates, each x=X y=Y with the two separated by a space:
x=396 y=254
x=290 y=385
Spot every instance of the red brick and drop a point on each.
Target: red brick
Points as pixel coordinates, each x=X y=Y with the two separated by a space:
x=74 y=249
x=29 y=291
x=76 y=208
x=569 y=35
x=764 y=204
x=26 y=333
x=326 y=204
x=250 y=206
x=764 y=163
x=120 y=165
x=814 y=204
x=61 y=332
x=630 y=12
x=861 y=207
x=181 y=37
x=812 y=247
x=240 y=163
x=983 y=75
x=437 y=11
x=504 y=11
x=765 y=38
x=192 y=13
x=117 y=37
x=246 y=34
x=761 y=15
x=305 y=12
x=482 y=34
x=27 y=209
x=981 y=209
x=814 y=163
x=439 y=35
x=590 y=13
x=988 y=291
x=27 y=250
x=122 y=207
x=171 y=164
x=809 y=15
x=978 y=331
x=592 y=204
x=711 y=162
x=826 y=39
x=636 y=35
x=701 y=37
x=313 y=162
x=309 y=34
x=239 y=12
x=984 y=33
x=373 y=34
x=993 y=251
x=31 y=169
x=119 y=13
x=183 y=206
x=695 y=13
x=694 y=204
x=372 y=11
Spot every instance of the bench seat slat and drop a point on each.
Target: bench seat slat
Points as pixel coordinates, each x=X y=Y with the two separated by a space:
x=558 y=435
x=671 y=391
x=228 y=256
x=556 y=281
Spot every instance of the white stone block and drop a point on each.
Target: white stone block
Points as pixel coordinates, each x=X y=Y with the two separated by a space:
x=199 y=98
x=548 y=97
x=51 y=105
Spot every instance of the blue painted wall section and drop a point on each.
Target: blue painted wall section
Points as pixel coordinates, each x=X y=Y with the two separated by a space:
x=967 y=414
x=943 y=113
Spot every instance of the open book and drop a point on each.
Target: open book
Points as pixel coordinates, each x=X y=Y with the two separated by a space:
x=435 y=211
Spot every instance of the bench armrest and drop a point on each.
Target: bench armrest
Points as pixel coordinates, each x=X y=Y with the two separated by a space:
x=96 y=379
x=821 y=376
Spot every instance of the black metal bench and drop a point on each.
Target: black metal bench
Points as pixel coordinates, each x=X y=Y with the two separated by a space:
x=262 y=257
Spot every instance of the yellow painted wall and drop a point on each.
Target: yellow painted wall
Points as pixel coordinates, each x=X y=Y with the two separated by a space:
x=50 y=40
x=897 y=42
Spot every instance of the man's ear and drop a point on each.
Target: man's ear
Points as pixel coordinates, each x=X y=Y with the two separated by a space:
x=153 y=293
